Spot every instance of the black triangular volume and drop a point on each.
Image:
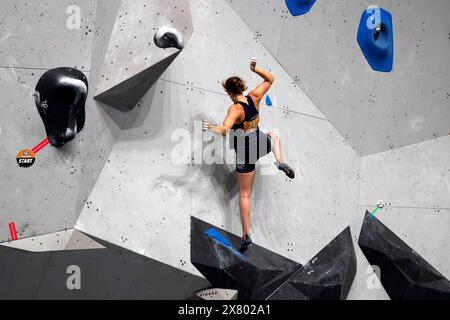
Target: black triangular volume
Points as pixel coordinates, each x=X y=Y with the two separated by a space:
x=404 y=274
x=255 y=273
x=127 y=94
x=327 y=276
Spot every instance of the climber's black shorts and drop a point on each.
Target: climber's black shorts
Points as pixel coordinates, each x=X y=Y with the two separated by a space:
x=257 y=144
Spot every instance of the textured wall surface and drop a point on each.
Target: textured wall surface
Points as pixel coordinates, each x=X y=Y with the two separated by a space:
x=143 y=201
x=374 y=111
x=48 y=196
x=415 y=182
x=34 y=34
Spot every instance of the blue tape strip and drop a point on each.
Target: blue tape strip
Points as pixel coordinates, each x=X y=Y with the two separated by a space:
x=214 y=234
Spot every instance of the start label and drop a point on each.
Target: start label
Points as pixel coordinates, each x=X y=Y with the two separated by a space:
x=26 y=158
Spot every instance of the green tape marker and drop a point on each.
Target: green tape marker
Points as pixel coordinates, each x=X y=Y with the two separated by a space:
x=372 y=215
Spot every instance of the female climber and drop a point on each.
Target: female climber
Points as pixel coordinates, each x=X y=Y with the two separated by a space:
x=250 y=143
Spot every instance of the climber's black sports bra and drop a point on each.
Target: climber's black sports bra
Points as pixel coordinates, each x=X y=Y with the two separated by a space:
x=251 y=120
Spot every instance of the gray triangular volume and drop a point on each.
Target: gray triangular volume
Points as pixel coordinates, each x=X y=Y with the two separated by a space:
x=327 y=276
x=126 y=95
x=255 y=273
x=405 y=275
x=66 y=240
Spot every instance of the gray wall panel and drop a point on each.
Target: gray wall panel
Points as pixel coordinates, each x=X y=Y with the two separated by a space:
x=35 y=35
x=373 y=111
x=47 y=197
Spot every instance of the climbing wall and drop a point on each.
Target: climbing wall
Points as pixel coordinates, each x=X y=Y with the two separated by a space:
x=414 y=181
x=147 y=191
x=378 y=112
x=133 y=61
x=374 y=111
x=138 y=172
x=48 y=196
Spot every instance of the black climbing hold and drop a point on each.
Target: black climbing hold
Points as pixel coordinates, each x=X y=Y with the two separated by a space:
x=255 y=277
x=168 y=37
x=405 y=275
x=327 y=276
x=60 y=97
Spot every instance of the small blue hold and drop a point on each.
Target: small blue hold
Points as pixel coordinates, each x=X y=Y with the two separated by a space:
x=268 y=101
x=299 y=7
x=376 y=38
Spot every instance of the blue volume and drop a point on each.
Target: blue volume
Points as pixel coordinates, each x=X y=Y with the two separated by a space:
x=299 y=7
x=376 y=39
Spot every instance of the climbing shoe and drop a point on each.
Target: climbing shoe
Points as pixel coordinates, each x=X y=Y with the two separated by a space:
x=245 y=243
x=286 y=169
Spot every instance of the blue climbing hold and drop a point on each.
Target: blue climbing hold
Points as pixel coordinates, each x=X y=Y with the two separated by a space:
x=299 y=7
x=214 y=234
x=268 y=101
x=376 y=38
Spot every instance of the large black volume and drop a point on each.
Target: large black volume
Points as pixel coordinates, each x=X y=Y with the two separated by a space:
x=327 y=276
x=255 y=274
x=405 y=275
x=60 y=97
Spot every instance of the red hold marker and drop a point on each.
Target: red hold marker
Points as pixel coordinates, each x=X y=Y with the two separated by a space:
x=12 y=231
x=41 y=146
